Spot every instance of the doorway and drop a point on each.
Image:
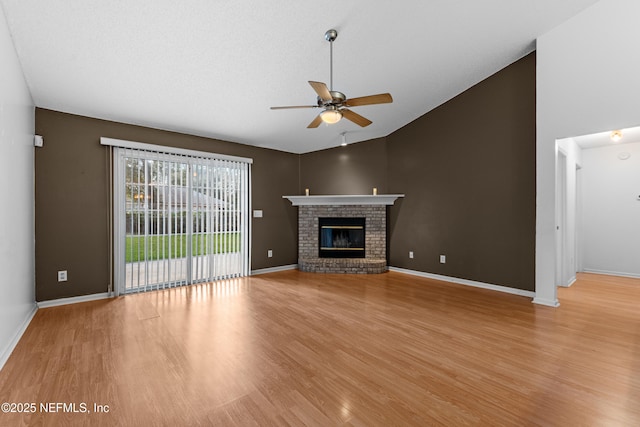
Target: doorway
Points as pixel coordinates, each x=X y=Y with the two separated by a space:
x=567 y=212
x=565 y=221
x=597 y=205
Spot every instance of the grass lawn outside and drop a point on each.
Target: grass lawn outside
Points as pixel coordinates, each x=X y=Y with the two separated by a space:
x=160 y=246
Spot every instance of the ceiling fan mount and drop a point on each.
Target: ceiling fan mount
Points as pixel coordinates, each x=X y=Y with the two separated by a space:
x=337 y=99
x=330 y=35
x=335 y=103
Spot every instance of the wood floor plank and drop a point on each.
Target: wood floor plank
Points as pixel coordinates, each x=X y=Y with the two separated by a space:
x=293 y=348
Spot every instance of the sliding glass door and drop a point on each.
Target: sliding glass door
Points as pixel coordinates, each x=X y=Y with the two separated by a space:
x=179 y=219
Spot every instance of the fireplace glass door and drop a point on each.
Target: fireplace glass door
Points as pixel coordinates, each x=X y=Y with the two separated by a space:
x=341 y=238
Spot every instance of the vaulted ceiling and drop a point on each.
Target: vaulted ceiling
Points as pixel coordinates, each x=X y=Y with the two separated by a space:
x=214 y=67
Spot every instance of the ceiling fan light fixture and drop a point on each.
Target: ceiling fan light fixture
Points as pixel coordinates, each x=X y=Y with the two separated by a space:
x=331 y=116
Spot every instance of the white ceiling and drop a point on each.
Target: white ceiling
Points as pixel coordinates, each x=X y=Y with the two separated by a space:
x=214 y=67
x=602 y=139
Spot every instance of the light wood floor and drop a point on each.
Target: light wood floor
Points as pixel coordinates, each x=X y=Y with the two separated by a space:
x=297 y=348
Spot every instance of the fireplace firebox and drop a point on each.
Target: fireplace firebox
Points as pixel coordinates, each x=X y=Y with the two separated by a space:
x=341 y=237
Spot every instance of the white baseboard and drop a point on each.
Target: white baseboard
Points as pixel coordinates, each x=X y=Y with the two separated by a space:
x=547 y=302
x=466 y=282
x=611 y=273
x=73 y=300
x=274 y=269
x=570 y=282
x=4 y=356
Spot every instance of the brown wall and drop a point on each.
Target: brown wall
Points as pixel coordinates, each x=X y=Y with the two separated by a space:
x=72 y=204
x=468 y=171
x=354 y=169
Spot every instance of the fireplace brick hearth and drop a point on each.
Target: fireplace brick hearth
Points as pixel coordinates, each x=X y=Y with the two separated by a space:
x=343 y=265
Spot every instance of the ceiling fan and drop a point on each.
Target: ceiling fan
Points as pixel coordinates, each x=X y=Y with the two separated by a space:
x=334 y=103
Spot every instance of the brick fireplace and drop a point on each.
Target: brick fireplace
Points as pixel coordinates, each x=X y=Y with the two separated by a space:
x=371 y=208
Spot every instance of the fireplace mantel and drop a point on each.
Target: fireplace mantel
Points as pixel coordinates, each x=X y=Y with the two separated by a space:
x=335 y=200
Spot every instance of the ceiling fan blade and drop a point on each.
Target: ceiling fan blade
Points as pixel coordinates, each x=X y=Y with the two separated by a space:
x=322 y=90
x=355 y=118
x=294 y=106
x=381 y=98
x=316 y=122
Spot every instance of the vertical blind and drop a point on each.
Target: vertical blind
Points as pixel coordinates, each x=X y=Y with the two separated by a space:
x=179 y=217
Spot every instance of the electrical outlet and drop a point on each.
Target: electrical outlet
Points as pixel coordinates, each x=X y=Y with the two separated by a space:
x=443 y=259
x=62 y=276
x=270 y=253
x=410 y=254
